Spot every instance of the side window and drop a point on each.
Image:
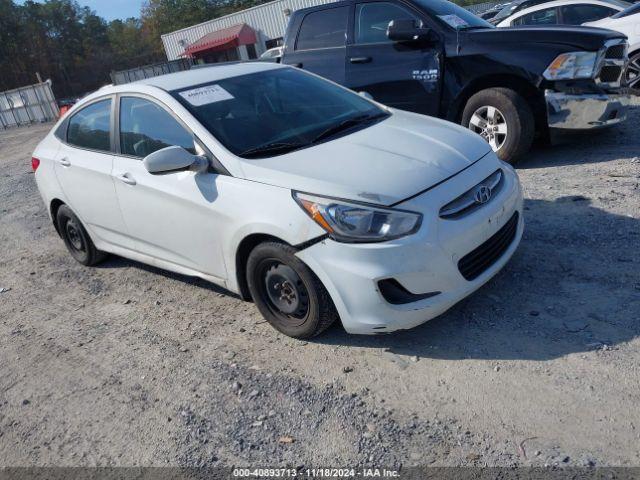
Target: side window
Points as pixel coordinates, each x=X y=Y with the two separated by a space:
x=91 y=126
x=582 y=13
x=372 y=20
x=146 y=127
x=547 y=16
x=323 y=29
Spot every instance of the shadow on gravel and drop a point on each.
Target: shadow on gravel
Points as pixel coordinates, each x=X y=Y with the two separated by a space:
x=567 y=289
x=595 y=146
x=118 y=262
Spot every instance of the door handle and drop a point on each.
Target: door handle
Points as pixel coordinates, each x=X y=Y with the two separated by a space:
x=127 y=178
x=360 y=59
x=64 y=162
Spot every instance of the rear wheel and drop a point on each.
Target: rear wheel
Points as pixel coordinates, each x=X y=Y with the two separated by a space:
x=287 y=292
x=632 y=73
x=504 y=119
x=77 y=239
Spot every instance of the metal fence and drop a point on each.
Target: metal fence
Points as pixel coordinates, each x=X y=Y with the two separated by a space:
x=148 y=71
x=27 y=105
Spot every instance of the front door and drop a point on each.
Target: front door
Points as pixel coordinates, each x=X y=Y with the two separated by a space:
x=83 y=167
x=321 y=44
x=172 y=216
x=400 y=75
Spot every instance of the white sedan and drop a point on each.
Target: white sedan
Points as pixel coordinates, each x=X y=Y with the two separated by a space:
x=565 y=12
x=283 y=187
x=627 y=22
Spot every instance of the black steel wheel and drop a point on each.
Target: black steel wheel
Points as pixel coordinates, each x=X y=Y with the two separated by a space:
x=287 y=292
x=76 y=238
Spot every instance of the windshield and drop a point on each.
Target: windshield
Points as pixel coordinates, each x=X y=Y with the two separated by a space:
x=453 y=15
x=633 y=9
x=271 y=112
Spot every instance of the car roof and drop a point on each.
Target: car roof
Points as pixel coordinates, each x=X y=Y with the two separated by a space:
x=198 y=76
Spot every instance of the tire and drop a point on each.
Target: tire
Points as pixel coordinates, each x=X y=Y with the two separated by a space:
x=77 y=239
x=287 y=293
x=632 y=73
x=511 y=114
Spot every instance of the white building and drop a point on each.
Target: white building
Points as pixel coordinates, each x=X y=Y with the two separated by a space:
x=238 y=36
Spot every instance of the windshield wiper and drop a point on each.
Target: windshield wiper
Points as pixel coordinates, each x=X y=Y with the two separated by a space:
x=346 y=124
x=274 y=147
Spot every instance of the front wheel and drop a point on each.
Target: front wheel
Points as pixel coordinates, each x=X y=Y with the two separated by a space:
x=287 y=292
x=504 y=119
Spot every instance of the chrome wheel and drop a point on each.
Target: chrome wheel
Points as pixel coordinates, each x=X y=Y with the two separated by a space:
x=632 y=74
x=490 y=124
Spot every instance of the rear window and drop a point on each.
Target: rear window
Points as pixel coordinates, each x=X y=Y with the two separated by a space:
x=323 y=29
x=90 y=127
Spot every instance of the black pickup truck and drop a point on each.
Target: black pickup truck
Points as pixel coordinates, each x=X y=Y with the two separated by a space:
x=436 y=58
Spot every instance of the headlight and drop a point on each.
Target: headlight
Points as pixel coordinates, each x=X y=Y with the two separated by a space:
x=572 y=65
x=354 y=222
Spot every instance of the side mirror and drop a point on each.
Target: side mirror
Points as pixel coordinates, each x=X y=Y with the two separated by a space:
x=407 y=31
x=173 y=158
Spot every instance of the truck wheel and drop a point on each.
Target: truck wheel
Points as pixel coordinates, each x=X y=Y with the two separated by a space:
x=632 y=74
x=504 y=119
x=287 y=292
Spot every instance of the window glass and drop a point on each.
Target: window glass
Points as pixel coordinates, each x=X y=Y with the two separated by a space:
x=547 y=16
x=281 y=106
x=90 y=127
x=632 y=10
x=372 y=20
x=323 y=29
x=579 y=14
x=452 y=15
x=146 y=127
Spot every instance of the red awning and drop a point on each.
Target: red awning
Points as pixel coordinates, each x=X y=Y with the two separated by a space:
x=224 y=39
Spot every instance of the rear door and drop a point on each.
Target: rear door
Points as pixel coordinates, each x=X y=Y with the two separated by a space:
x=320 y=45
x=400 y=75
x=83 y=167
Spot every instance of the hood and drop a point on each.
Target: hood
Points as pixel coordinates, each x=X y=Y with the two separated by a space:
x=583 y=38
x=382 y=164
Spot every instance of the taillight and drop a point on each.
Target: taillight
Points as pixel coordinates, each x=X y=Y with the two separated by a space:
x=35 y=163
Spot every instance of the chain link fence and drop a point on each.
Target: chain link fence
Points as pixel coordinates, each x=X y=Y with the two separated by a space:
x=27 y=105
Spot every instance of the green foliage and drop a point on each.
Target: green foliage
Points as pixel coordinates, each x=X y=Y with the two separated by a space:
x=69 y=44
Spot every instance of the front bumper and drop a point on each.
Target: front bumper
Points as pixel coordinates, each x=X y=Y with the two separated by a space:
x=585 y=111
x=426 y=261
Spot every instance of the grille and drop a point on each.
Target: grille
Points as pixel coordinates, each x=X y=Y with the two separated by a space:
x=610 y=74
x=467 y=203
x=612 y=65
x=473 y=264
x=616 y=52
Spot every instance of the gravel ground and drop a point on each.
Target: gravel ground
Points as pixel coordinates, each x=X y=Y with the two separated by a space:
x=125 y=364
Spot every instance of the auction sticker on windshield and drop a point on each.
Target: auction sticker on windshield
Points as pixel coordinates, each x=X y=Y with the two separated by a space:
x=206 y=95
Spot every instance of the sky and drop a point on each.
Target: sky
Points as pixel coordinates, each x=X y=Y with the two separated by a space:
x=111 y=9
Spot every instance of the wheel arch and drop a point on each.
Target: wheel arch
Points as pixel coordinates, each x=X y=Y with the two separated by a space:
x=246 y=245
x=54 y=206
x=532 y=95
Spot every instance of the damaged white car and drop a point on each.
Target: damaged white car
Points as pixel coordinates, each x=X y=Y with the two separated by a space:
x=315 y=202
